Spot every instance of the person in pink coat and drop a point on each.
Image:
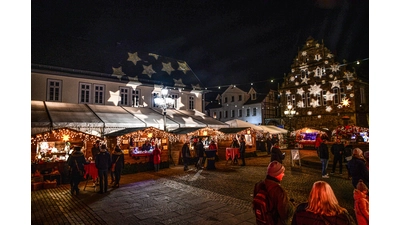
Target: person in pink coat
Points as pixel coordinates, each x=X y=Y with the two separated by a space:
x=156 y=158
x=361 y=203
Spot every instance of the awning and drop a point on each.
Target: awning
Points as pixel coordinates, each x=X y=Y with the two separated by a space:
x=152 y=118
x=138 y=132
x=124 y=131
x=201 y=117
x=241 y=123
x=185 y=130
x=40 y=121
x=273 y=129
x=232 y=130
x=182 y=119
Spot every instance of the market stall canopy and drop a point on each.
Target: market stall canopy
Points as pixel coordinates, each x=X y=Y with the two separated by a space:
x=64 y=134
x=185 y=130
x=241 y=123
x=137 y=132
x=152 y=118
x=40 y=121
x=273 y=129
x=200 y=117
x=232 y=130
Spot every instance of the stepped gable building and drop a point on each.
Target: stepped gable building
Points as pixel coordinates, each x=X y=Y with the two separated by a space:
x=324 y=92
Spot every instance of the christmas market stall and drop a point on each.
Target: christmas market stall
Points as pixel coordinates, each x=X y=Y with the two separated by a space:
x=50 y=151
x=305 y=137
x=193 y=135
x=357 y=136
x=138 y=144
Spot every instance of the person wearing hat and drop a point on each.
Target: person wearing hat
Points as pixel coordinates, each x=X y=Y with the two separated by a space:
x=103 y=164
x=361 y=203
x=76 y=162
x=282 y=207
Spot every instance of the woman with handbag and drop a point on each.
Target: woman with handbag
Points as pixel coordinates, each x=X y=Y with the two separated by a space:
x=117 y=165
x=76 y=162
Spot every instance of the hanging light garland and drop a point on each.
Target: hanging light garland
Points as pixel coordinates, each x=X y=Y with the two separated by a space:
x=64 y=134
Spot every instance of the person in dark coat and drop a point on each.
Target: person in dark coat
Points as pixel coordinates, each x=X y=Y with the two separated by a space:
x=347 y=153
x=282 y=207
x=269 y=144
x=323 y=154
x=103 y=164
x=322 y=208
x=200 y=154
x=156 y=158
x=76 y=163
x=95 y=149
x=358 y=169
x=242 y=150
x=337 y=150
x=185 y=155
x=117 y=159
x=276 y=154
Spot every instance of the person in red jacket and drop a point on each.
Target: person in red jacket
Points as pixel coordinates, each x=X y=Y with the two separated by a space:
x=156 y=158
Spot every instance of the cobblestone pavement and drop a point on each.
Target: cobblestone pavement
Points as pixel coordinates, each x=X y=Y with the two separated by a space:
x=174 y=196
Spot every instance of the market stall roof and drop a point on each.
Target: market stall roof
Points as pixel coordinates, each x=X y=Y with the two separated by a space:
x=185 y=130
x=72 y=115
x=139 y=132
x=152 y=118
x=124 y=131
x=40 y=121
x=181 y=118
x=232 y=130
x=201 y=117
x=116 y=116
x=273 y=129
x=241 y=123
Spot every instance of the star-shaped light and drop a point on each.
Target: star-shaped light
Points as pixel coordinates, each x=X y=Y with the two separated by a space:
x=315 y=89
x=349 y=87
x=178 y=83
x=326 y=62
x=296 y=83
x=314 y=103
x=167 y=68
x=304 y=53
x=329 y=96
x=117 y=72
x=346 y=102
x=114 y=97
x=154 y=55
x=148 y=70
x=329 y=55
x=328 y=108
x=293 y=70
x=292 y=78
x=300 y=91
x=339 y=106
x=133 y=84
x=348 y=75
x=133 y=57
x=335 y=67
x=288 y=92
x=317 y=45
x=335 y=83
x=196 y=87
x=183 y=67
x=305 y=80
x=300 y=104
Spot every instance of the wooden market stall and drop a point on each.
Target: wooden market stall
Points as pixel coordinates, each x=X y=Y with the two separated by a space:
x=131 y=141
x=50 y=151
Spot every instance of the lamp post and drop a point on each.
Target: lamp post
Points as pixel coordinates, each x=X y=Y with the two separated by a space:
x=164 y=102
x=290 y=112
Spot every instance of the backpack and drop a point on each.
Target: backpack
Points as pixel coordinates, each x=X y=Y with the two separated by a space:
x=261 y=204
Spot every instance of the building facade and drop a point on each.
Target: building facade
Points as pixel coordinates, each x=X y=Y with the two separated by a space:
x=325 y=94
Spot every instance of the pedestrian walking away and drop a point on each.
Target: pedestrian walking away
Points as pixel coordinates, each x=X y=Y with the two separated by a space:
x=347 y=154
x=276 y=153
x=156 y=158
x=337 y=150
x=118 y=162
x=322 y=208
x=242 y=150
x=200 y=154
x=185 y=155
x=323 y=154
x=358 y=168
x=76 y=162
x=103 y=164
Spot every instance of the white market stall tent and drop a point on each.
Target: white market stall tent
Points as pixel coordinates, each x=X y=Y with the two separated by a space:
x=273 y=129
x=241 y=123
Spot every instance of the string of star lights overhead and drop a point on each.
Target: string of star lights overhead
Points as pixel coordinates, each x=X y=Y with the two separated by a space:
x=272 y=80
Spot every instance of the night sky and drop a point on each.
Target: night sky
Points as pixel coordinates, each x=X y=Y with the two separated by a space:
x=224 y=42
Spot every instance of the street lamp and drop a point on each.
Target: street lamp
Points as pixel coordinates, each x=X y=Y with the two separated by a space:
x=290 y=112
x=164 y=102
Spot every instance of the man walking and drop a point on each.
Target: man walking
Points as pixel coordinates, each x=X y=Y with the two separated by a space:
x=103 y=163
x=200 y=154
x=324 y=157
x=337 y=150
x=242 y=149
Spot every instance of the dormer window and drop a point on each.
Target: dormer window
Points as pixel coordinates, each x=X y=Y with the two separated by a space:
x=253 y=96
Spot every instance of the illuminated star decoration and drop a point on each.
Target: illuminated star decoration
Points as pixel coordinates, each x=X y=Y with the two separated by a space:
x=346 y=102
x=154 y=55
x=304 y=80
x=326 y=62
x=335 y=83
x=300 y=104
x=288 y=92
x=292 y=78
x=300 y=91
x=167 y=68
x=292 y=70
x=148 y=70
x=317 y=57
x=314 y=103
x=183 y=67
x=348 y=75
x=349 y=87
x=328 y=108
x=335 y=67
x=296 y=83
x=304 y=53
x=117 y=72
x=114 y=97
x=315 y=89
x=339 y=106
x=329 y=55
x=178 y=83
x=329 y=96
x=133 y=58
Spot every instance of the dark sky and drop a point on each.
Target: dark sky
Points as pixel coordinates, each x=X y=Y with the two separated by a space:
x=224 y=42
